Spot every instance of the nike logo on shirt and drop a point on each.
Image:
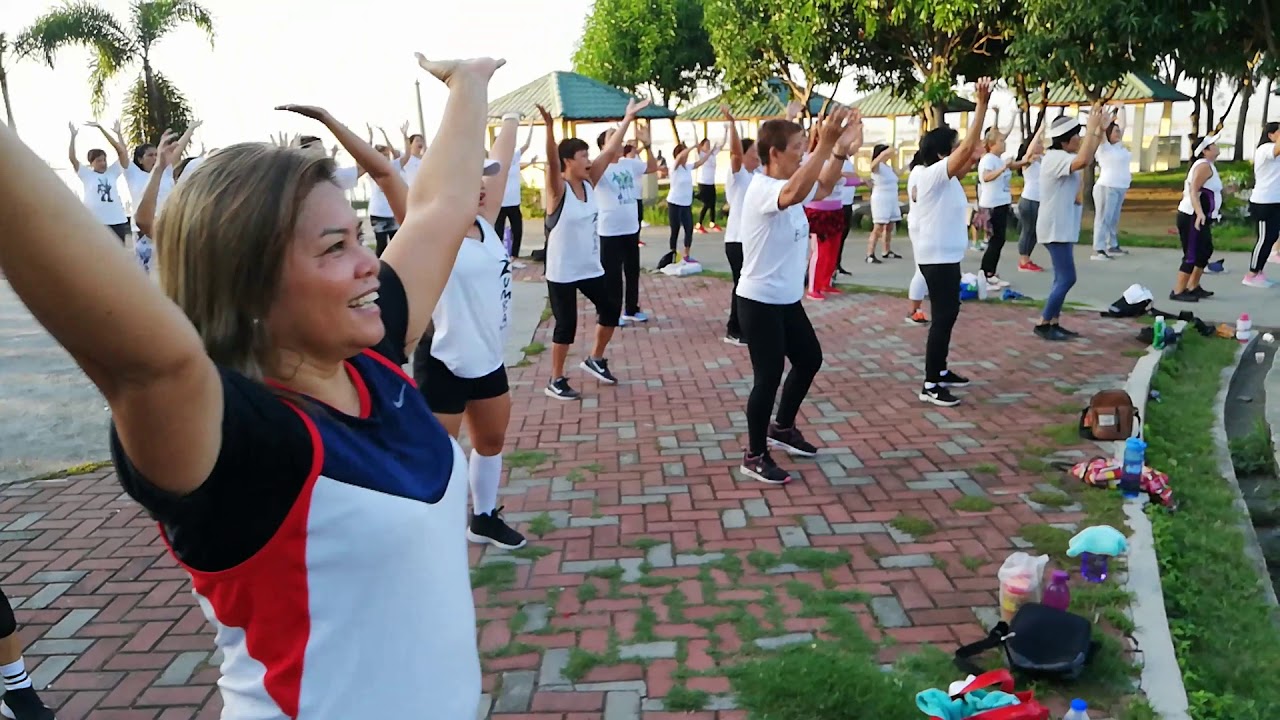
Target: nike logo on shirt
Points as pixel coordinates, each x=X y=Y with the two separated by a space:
x=400 y=400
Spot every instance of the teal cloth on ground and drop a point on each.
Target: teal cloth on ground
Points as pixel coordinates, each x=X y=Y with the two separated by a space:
x=936 y=703
x=1099 y=540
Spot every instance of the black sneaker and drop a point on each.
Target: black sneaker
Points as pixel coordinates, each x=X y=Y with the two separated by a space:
x=791 y=440
x=491 y=528
x=891 y=255
x=599 y=368
x=1201 y=292
x=939 y=396
x=560 y=390
x=1068 y=333
x=951 y=379
x=732 y=339
x=24 y=704
x=842 y=271
x=761 y=467
x=1052 y=333
x=1188 y=296
x=873 y=260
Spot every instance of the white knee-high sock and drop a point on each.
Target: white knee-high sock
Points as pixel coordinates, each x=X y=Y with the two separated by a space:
x=918 y=288
x=485 y=474
x=15 y=675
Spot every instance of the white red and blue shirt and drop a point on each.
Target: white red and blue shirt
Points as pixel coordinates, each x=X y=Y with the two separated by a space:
x=328 y=551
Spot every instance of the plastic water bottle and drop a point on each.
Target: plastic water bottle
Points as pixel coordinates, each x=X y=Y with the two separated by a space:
x=1093 y=567
x=1079 y=711
x=506 y=239
x=1157 y=333
x=1135 y=455
x=1244 y=328
x=1058 y=594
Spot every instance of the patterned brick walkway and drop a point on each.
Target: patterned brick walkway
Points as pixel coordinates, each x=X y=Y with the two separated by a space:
x=650 y=560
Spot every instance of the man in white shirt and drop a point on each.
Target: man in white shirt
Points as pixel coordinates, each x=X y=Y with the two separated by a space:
x=101 y=193
x=619 y=226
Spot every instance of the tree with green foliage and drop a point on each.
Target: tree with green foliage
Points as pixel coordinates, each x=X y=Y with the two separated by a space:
x=153 y=103
x=938 y=40
x=4 y=80
x=803 y=44
x=657 y=45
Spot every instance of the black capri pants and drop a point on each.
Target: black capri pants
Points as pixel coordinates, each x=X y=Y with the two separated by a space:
x=1197 y=245
x=564 y=306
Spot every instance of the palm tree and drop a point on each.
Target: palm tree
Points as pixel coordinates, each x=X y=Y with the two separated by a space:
x=154 y=104
x=4 y=82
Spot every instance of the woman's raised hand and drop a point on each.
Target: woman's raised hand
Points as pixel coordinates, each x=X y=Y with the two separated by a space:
x=446 y=71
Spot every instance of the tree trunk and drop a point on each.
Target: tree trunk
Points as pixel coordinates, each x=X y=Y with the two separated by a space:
x=1266 y=101
x=1195 y=108
x=1248 y=89
x=8 y=105
x=153 y=102
x=1210 y=89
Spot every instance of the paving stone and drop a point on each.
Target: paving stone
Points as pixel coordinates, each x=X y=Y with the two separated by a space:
x=930 y=484
x=622 y=705
x=517 y=691
x=648 y=651
x=756 y=508
x=643 y=499
x=51 y=668
x=781 y=641
x=906 y=561
x=888 y=612
x=659 y=556
x=69 y=625
x=784 y=569
x=970 y=487
x=634 y=686
x=859 y=528
x=690 y=559
x=733 y=519
x=793 y=536
x=601 y=521
x=816 y=525
x=536 y=617
x=551 y=672
x=179 y=671
x=847 y=481
x=586 y=566
x=486 y=704
x=951 y=448
x=631 y=571
x=58 y=647
x=987 y=616
x=45 y=595
x=25 y=521
x=668 y=442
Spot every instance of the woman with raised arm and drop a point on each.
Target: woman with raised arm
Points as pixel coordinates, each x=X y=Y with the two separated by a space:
x=994 y=195
x=1200 y=208
x=825 y=218
x=744 y=164
x=1058 y=224
x=680 y=196
x=886 y=209
x=382 y=219
x=459 y=364
x=936 y=224
x=261 y=416
x=619 y=224
x=1115 y=175
x=1264 y=204
x=706 y=167
x=775 y=248
x=573 y=250
x=1029 y=201
x=511 y=199
x=138 y=177
x=101 y=193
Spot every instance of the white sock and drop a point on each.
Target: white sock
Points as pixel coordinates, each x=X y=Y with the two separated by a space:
x=15 y=675
x=485 y=474
x=918 y=288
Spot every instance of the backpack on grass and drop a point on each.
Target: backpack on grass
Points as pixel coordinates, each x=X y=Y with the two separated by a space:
x=1110 y=415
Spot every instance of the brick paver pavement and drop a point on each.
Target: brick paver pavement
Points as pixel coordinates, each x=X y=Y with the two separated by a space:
x=654 y=560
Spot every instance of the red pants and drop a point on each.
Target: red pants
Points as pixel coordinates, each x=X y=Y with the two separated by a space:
x=828 y=226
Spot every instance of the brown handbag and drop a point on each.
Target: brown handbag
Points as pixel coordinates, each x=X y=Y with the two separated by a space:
x=1110 y=415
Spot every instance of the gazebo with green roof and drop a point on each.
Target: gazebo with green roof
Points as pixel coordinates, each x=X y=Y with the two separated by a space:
x=1162 y=152
x=883 y=103
x=771 y=102
x=572 y=99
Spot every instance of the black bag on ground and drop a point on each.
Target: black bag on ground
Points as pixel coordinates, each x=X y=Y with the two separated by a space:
x=1040 y=641
x=667 y=259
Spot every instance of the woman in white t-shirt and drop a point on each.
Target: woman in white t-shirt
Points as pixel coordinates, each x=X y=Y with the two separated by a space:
x=1115 y=174
x=775 y=243
x=459 y=365
x=573 y=250
x=511 y=200
x=886 y=210
x=101 y=193
x=744 y=164
x=994 y=195
x=706 y=169
x=137 y=178
x=936 y=224
x=1200 y=208
x=1029 y=201
x=1058 y=224
x=680 y=198
x=1264 y=204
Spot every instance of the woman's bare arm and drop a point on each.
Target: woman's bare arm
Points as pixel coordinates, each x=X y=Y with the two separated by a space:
x=554 y=176
x=71 y=149
x=960 y=159
x=504 y=150
x=145 y=214
x=847 y=145
x=116 y=142
x=1099 y=117
x=735 y=142
x=132 y=342
x=442 y=201
x=612 y=149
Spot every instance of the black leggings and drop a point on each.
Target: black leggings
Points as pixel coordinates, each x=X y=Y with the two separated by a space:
x=707 y=196
x=1197 y=245
x=564 y=306
x=640 y=212
x=775 y=333
x=8 y=623
x=680 y=216
x=943 y=282
x=1267 y=217
x=999 y=231
x=733 y=251
x=848 y=226
x=620 y=255
x=512 y=213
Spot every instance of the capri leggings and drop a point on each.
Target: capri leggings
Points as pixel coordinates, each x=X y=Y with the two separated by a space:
x=564 y=306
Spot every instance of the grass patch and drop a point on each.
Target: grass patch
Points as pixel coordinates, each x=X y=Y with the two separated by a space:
x=541 y=524
x=1222 y=628
x=971 y=503
x=73 y=471
x=1067 y=389
x=495 y=575
x=1050 y=499
x=1067 y=433
x=645 y=543
x=1048 y=540
x=1136 y=353
x=681 y=699
x=972 y=563
x=912 y=525
x=1253 y=453
x=986 y=469
x=525 y=459
x=531 y=552
x=533 y=348
x=512 y=650
x=719 y=275
x=582 y=662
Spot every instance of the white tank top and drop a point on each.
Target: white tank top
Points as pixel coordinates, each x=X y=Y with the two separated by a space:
x=885 y=181
x=573 y=244
x=471 y=317
x=1213 y=185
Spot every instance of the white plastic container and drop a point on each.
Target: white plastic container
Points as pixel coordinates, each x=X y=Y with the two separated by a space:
x=1244 y=328
x=1079 y=711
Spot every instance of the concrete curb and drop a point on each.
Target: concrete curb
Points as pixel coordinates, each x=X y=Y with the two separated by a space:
x=1161 y=679
x=1252 y=548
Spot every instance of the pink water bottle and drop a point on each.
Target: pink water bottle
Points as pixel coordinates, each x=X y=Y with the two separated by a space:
x=1244 y=328
x=1058 y=594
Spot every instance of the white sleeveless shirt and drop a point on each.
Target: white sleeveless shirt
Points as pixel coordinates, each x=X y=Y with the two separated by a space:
x=573 y=243
x=472 y=316
x=1213 y=185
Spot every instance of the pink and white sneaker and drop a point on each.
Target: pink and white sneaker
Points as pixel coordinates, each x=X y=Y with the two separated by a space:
x=1257 y=280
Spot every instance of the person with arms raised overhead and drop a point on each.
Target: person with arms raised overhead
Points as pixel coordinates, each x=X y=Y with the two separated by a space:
x=261 y=415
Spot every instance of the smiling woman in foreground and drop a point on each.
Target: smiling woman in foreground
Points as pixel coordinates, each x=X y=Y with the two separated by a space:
x=261 y=416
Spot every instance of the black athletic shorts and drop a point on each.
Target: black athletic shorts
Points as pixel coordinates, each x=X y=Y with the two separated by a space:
x=448 y=394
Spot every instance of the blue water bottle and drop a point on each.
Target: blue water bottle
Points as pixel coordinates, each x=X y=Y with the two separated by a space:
x=1135 y=455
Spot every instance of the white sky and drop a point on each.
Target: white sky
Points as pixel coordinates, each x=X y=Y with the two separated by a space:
x=354 y=58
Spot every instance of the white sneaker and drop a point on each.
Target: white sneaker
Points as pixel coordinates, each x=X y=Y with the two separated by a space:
x=1100 y=256
x=1257 y=280
x=996 y=283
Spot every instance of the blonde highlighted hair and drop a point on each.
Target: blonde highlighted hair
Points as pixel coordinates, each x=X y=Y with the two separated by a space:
x=222 y=238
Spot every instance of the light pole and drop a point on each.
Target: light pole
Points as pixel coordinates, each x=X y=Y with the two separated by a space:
x=422 y=125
